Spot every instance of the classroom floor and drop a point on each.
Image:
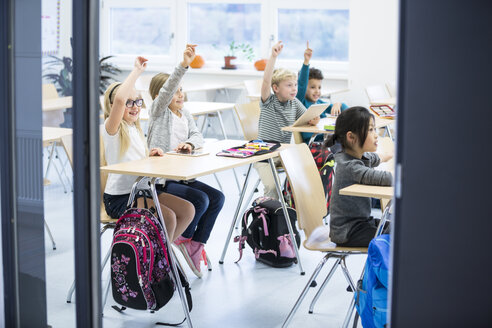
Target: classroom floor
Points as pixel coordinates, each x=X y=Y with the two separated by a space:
x=247 y=294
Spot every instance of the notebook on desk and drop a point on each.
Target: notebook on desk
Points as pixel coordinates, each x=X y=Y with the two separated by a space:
x=312 y=112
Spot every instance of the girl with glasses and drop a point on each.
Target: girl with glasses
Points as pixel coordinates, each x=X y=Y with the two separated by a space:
x=124 y=141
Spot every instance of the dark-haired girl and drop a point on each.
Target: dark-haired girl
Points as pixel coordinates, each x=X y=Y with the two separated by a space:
x=351 y=224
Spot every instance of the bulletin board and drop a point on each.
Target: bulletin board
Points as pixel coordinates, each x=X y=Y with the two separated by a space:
x=50 y=27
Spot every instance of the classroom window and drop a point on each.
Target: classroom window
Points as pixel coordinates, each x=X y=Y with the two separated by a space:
x=214 y=25
x=152 y=35
x=326 y=30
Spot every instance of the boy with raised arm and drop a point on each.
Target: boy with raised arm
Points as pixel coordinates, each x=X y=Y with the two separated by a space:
x=278 y=110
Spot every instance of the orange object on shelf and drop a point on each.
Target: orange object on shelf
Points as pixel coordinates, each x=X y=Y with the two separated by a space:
x=260 y=64
x=197 y=62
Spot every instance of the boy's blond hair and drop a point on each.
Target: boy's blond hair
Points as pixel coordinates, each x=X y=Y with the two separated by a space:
x=282 y=74
x=123 y=128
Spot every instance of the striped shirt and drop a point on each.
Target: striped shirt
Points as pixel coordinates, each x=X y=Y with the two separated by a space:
x=276 y=115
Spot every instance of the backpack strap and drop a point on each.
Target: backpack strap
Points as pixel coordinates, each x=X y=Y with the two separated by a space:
x=241 y=239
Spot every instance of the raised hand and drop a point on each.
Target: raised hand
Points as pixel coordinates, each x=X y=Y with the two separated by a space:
x=308 y=53
x=188 y=54
x=277 y=48
x=141 y=63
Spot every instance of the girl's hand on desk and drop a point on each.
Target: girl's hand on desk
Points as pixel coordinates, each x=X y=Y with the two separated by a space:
x=336 y=109
x=156 y=152
x=314 y=121
x=184 y=147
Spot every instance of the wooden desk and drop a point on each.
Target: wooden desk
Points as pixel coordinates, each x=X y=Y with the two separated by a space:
x=52 y=136
x=389 y=101
x=361 y=190
x=57 y=103
x=325 y=95
x=319 y=128
x=187 y=167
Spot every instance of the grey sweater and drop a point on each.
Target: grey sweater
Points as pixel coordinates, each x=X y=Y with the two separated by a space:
x=161 y=120
x=346 y=211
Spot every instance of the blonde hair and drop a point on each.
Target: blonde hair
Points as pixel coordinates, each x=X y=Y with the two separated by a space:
x=156 y=84
x=123 y=127
x=282 y=74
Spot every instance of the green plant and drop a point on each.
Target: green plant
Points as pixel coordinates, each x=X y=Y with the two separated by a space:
x=63 y=79
x=233 y=49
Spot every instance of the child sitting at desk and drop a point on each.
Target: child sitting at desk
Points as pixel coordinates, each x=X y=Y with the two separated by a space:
x=351 y=224
x=173 y=128
x=309 y=90
x=278 y=110
x=123 y=141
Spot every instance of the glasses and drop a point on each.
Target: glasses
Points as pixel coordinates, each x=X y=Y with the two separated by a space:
x=130 y=103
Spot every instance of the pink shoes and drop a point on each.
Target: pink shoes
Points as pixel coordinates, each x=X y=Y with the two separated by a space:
x=193 y=252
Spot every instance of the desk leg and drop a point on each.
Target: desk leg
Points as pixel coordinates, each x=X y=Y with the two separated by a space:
x=174 y=271
x=53 y=145
x=205 y=118
x=219 y=116
x=236 y=214
x=297 y=137
x=387 y=129
x=286 y=213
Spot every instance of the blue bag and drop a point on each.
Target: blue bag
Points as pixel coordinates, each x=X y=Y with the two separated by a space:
x=371 y=298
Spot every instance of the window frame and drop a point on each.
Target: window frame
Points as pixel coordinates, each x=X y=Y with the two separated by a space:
x=125 y=61
x=268 y=36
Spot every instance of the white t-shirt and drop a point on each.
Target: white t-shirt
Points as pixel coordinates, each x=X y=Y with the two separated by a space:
x=179 y=133
x=119 y=184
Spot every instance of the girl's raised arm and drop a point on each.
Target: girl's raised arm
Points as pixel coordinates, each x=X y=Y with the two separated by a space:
x=122 y=94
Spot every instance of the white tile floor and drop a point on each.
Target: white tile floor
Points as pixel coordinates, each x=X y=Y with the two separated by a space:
x=248 y=294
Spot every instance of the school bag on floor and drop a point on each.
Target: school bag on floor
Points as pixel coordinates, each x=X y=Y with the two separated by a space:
x=140 y=268
x=325 y=162
x=371 y=298
x=264 y=229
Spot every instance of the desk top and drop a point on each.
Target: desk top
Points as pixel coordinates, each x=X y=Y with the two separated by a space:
x=389 y=101
x=57 y=103
x=51 y=134
x=188 y=167
x=368 y=191
x=325 y=94
x=319 y=128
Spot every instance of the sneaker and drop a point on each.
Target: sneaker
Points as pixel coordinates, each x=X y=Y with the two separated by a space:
x=192 y=252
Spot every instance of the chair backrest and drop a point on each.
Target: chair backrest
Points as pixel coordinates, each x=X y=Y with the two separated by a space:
x=249 y=116
x=390 y=86
x=253 y=87
x=49 y=91
x=377 y=92
x=306 y=186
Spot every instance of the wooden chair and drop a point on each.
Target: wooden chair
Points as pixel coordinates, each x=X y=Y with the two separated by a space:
x=253 y=89
x=310 y=201
x=390 y=86
x=51 y=118
x=376 y=93
x=106 y=221
x=249 y=115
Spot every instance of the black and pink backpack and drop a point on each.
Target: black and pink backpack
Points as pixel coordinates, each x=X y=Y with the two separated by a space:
x=140 y=268
x=267 y=233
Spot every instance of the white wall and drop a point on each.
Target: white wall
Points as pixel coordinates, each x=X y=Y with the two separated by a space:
x=373 y=47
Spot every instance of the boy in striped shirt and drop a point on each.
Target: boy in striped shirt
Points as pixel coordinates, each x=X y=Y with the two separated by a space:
x=279 y=109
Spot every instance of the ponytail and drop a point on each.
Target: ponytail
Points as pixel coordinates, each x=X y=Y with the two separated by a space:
x=330 y=141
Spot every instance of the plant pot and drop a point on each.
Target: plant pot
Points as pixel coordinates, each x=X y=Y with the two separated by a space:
x=227 y=62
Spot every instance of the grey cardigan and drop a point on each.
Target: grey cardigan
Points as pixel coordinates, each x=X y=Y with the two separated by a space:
x=347 y=211
x=161 y=120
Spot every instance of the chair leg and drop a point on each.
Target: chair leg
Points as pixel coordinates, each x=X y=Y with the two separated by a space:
x=70 y=292
x=352 y=285
x=323 y=285
x=305 y=290
x=49 y=234
x=351 y=308
x=106 y=292
x=218 y=182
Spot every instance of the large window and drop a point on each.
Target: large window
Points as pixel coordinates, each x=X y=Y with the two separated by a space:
x=215 y=25
x=326 y=31
x=159 y=29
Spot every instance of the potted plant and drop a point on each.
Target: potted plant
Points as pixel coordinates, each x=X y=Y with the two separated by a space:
x=233 y=50
x=63 y=79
